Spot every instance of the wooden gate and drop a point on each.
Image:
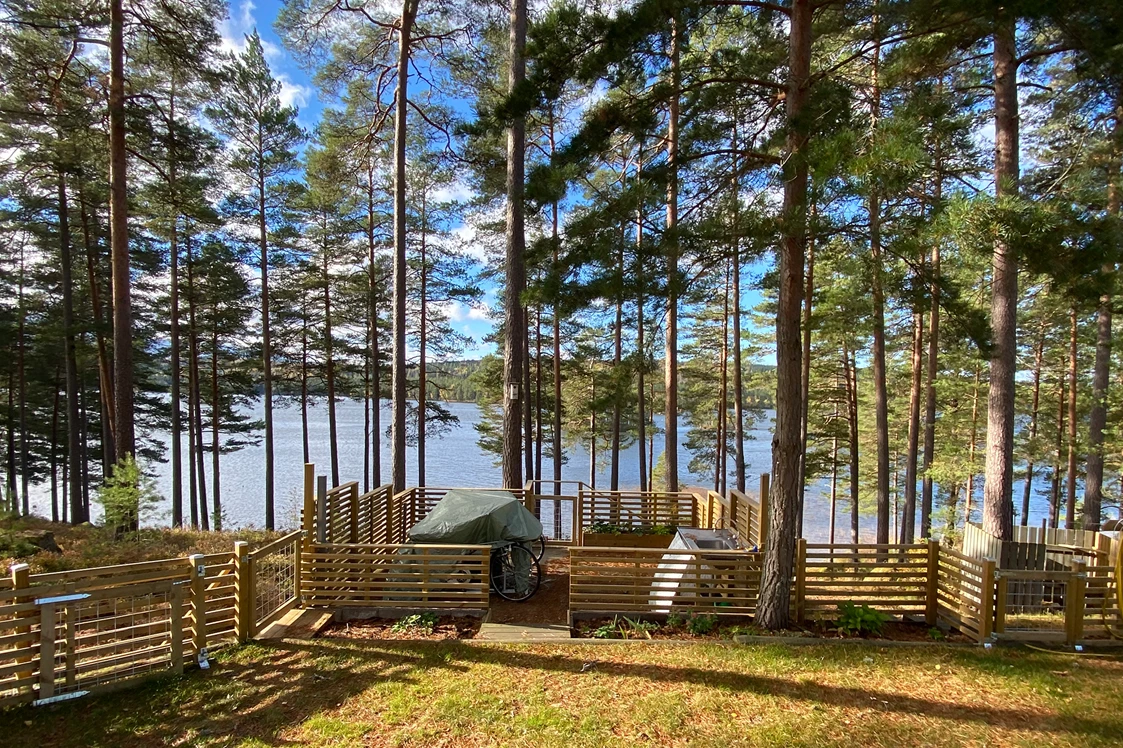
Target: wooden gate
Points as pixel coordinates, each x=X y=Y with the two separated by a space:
x=89 y=641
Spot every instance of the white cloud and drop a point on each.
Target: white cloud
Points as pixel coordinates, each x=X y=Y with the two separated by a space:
x=293 y=93
x=236 y=25
x=460 y=312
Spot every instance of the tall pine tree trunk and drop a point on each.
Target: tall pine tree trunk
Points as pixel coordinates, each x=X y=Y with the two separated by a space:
x=773 y=611
x=932 y=369
x=124 y=436
x=216 y=411
x=105 y=365
x=329 y=352
x=1070 y=503
x=422 y=382
x=372 y=289
x=998 y=505
x=514 y=328
x=670 y=353
x=1038 y=354
x=805 y=374
x=1097 y=421
x=850 y=369
x=73 y=424
x=398 y=370
x=908 y=522
x=880 y=388
x=617 y=357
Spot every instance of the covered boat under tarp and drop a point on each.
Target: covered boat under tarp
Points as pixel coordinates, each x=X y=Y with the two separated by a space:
x=466 y=517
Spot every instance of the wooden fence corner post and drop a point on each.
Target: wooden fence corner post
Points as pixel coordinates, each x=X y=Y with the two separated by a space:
x=764 y=478
x=21 y=579
x=1074 y=602
x=309 y=501
x=199 y=604
x=243 y=591
x=932 y=593
x=800 y=578
x=986 y=614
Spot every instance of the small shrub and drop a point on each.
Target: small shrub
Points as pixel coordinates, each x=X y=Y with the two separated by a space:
x=625 y=628
x=127 y=496
x=676 y=620
x=700 y=625
x=860 y=621
x=936 y=635
x=423 y=623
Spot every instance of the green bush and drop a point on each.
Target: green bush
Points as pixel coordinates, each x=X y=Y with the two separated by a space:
x=860 y=621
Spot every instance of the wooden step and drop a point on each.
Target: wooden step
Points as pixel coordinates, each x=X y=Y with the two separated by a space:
x=522 y=632
x=298 y=623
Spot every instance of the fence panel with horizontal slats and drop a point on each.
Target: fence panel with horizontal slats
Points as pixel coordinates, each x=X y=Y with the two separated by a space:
x=645 y=580
x=220 y=601
x=395 y=576
x=638 y=508
x=1102 y=617
x=963 y=592
x=890 y=578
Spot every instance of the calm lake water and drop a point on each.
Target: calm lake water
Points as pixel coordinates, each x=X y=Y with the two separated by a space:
x=455 y=460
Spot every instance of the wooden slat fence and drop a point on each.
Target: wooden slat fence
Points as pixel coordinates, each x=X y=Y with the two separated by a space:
x=637 y=508
x=890 y=578
x=653 y=581
x=414 y=504
x=395 y=576
x=965 y=593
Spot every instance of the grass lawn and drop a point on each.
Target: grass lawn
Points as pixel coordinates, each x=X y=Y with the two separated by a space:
x=372 y=693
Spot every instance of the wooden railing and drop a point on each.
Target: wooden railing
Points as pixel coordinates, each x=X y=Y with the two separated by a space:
x=395 y=576
x=636 y=508
x=604 y=581
x=749 y=515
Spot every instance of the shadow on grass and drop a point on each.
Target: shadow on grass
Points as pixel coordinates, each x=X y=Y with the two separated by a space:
x=259 y=691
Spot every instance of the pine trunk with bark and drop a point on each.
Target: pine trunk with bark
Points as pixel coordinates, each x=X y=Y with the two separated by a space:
x=514 y=329
x=998 y=485
x=670 y=353
x=773 y=611
x=399 y=392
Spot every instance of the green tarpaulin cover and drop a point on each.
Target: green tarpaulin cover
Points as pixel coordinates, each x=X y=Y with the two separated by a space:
x=477 y=517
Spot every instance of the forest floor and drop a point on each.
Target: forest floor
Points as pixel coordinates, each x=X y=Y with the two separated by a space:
x=345 y=692
x=85 y=546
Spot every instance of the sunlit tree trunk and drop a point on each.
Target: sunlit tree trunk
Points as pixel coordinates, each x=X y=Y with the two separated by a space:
x=998 y=505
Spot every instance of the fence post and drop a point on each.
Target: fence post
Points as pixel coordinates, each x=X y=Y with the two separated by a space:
x=986 y=613
x=932 y=594
x=322 y=509
x=764 y=477
x=1001 y=597
x=800 y=578
x=243 y=591
x=298 y=550
x=309 y=501
x=355 y=513
x=199 y=604
x=21 y=579
x=1074 y=602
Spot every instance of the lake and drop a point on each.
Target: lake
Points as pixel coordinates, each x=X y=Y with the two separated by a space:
x=455 y=460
